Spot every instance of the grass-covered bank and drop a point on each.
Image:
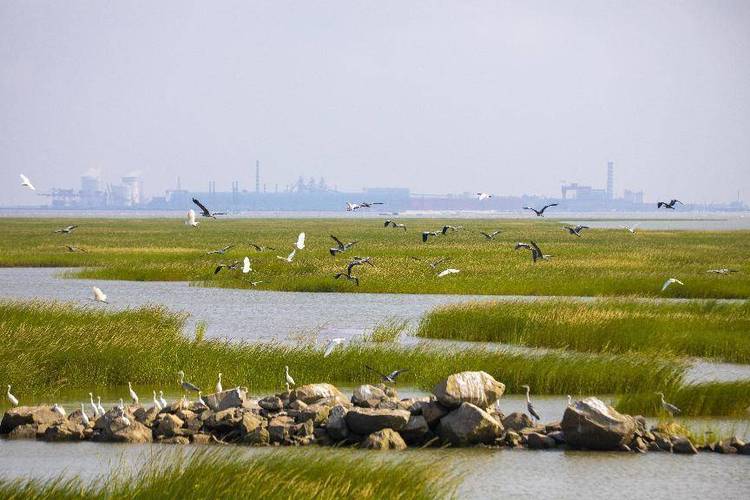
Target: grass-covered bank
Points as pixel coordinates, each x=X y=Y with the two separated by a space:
x=602 y=262
x=705 y=400
x=206 y=474
x=54 y=347
x=696 y=328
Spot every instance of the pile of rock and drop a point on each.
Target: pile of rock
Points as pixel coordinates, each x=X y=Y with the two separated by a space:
x=462 y=412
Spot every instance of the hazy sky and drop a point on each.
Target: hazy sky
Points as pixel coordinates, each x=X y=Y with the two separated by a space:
x=505 y=97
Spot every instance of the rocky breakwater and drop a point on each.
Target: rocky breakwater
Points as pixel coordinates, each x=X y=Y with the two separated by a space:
x=463 y=411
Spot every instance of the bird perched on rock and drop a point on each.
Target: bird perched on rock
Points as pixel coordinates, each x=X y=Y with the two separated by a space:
x=186 y=386
x=529 y=406
x=11 y=398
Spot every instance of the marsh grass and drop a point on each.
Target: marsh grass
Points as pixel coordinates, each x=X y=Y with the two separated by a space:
x=57 y=346
x=206 y=474
x=388 y=330
x=695 y=328
x=705 y=399
x=601 y=263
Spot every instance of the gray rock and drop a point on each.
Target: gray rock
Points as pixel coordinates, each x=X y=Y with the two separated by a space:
x=385 y=439
x=433 y=412
x=279 y=428
x=259 y=437
x=314 y=393
x=146 y=417
x=663 y=442
x=469 y=424
x=201 y=438
x=112 y=428
x=250 y=422
x=517 y=421
x=744 y=449
x=231 y=398
x=558 y=436
x=174 y=440
x=222 y=421
x=725 y=448
x=368 y=396
x=336 y=427
x=477 y=388
x=315 y=412
x=365 y=421
x=25 y=431
x=682 y=445
x=169 y=425
x=64 y=431
x=32 y=415
x=512 y=439
x=271 y=403
x=415 y=430
x=536 y=441
x=593 y=425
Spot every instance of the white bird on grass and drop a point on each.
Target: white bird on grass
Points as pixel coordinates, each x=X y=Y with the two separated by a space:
x=289 y=379
x=288 y=258
x=99 y=296
x=191 y=219
x=84 y=417
x=133 y=395
x=162 y=401
x=59 y=410
x=332 y=344
x=26 y=182
x=11 y=398
x=246 y=265
x=219 y=388
x=447 y=272
x=669 y=282
x=300 y=241
x=722 y=271
x=157 y=404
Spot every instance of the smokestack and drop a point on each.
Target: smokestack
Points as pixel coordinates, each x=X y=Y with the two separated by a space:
x=257 y=176
x=610 y=180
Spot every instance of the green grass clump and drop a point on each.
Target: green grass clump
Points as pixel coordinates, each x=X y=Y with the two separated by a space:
x=387 y=331
x=331 y=475
x=705 y=399
x=695 y=328
x=56 y=346
x=604 y=262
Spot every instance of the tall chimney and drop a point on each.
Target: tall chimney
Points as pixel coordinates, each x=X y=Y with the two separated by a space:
x=610 y=180
x=257 y=176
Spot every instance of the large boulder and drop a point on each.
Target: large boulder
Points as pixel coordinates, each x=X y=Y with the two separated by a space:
x=517 y=421
x=231 y=398
x=477 y=388
x=169 y=425
x=433 y=412
x=368 y=396
x=365 y=421
x=593 y=425
x=683 y=445
x=317 y=393
x=31 y=415
x=415 y=430
x=385 y=439
x=68 y=430
x=280 y=428
x=537 y=441
x=112 y=428
x=336 y=427
x=222 y=421
x=469 y=424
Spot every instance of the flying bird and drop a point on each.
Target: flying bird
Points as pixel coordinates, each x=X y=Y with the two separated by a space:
x=529 y=406
x=669 y=282
x=483 y=196
x=630 y=229
x=669 y=407
x=191 y=219
x=490 y=236
x=66 y=229
x=540 y=213
x=447 y=228
x=256 y=283
x=348 y=277
x=447 y=272
x=260 y=248
x=300 y=241
x=427 y=234
x=245 y=267
x=363 y=204
x=391 y=377
x=332 y=344
x=229 y=267
x=220 y=251
x=722 y=271
x=669 y=205
x=26 y=182
x=205 y=212
x=358 y=261
x=575 y=231
x=340 y=246
x=72 y=248
x=536 y=252
x=99 y=296
x=288 y=258
x=394 y=225
x=434 y=263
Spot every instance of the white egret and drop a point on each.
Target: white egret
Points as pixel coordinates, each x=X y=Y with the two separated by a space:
x=99 y=404
x=133 y=395
x=93 y=405
x=200 y=399
x=246 y=265
x=157 y=404
x=363 y=204
x=288 y=258
x=529 y=406
x=289 y=379
x=84 y=417
x=121 y=405
x=447 y=272
x=11 y=398
x=630 y=229
x=483 y=196
x=99 y=296
x=669 y=282
x=332 y=345
x=26 y=182
x=219 y=388
x=162 y=401
x=191 y=219
x=59 y=410
x=300 y=241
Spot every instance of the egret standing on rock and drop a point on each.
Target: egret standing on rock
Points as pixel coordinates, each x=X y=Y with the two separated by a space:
x=670 y=408
x=162 y=401
x=99 y=405
x=93 y=405
x=84 y=417
x=218 y=387
x=289 y=379
x=59 y=410
x=133 y=395
x=11 y=398
x=186 y=386
x=669 y=282
x=529 y=406
x=157 y=404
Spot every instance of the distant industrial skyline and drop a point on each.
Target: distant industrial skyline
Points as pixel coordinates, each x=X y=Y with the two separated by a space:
x=496 y=96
